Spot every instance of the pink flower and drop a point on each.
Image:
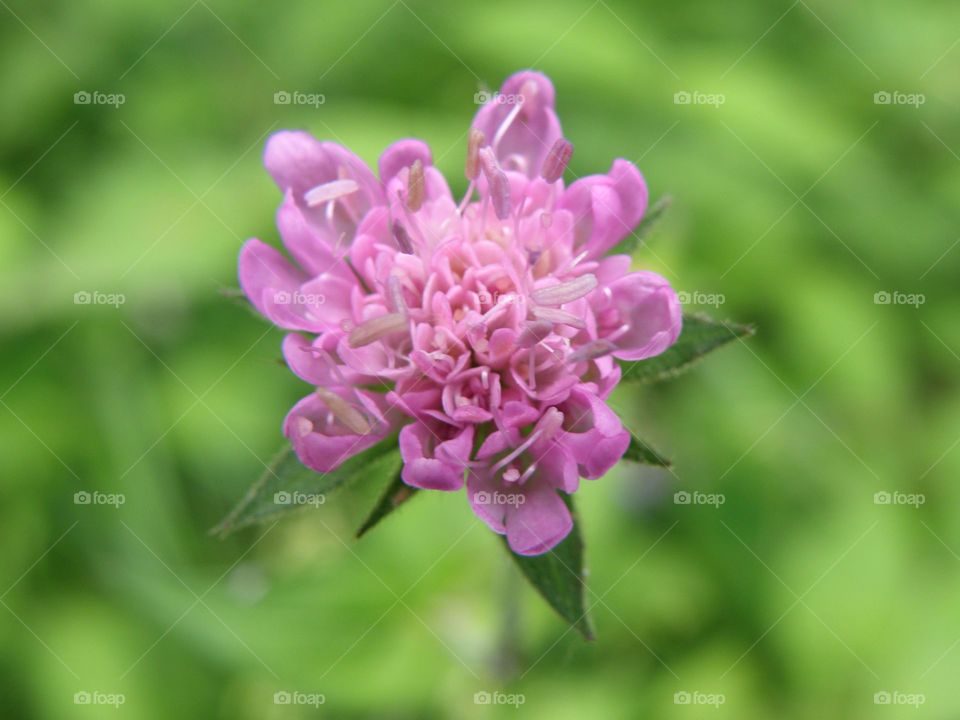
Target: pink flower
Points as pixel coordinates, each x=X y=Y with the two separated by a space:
x=491 y=324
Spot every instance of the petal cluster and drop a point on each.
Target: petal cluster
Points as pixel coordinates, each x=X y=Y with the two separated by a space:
x=483 y=332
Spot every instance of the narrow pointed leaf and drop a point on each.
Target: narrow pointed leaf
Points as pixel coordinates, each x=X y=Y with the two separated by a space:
x=287 y=485
x=396 y=493
x=629 y=244
x=639 y=451
x=558 y=576
x=699 y=336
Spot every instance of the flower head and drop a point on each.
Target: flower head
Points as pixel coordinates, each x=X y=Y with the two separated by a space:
x=485 y=332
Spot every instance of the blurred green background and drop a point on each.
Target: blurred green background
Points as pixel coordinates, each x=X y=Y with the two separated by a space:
x=797 y=199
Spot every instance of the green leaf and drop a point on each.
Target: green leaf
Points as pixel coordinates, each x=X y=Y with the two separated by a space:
x=288 y=485
x=639 y=451
x=558 y=576
x=700 y=335
x=396 y=493
x=629 y=244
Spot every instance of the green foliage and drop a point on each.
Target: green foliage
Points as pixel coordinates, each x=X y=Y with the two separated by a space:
x=699 y=336
x=640 y=452
x=286 y=485
x=559 y=576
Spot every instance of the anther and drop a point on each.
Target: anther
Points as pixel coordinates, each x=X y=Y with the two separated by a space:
x=474 y=143
x=556 y=161
x=349 y=416
x=332 y=190
x=402 y=238
x=566 y=291
x=415 y=186
x=377 y=328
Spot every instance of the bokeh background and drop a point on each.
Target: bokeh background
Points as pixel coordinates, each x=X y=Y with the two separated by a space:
x=799 y=195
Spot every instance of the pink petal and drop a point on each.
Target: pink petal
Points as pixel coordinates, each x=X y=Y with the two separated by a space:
x=322 y=444
x=401 y=155
x=440 y=468
x=299 y=162
x=606 y=208
x=540 y=523
x=651 y=311
x=533 y=131
x=310 y=248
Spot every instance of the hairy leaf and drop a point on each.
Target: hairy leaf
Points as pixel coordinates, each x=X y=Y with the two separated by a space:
x=700 y=335
x=558 y=576
x=288 y=485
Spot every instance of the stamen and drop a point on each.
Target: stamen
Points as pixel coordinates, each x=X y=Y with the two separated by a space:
x=396 y=294
x=499 y=186
x=474 y=143
x=507 y=122
x=377 y=328
x=332 y=190
x=527 y=473
x=349 y=416
x=511 y=474
x=591 y=350
x=556 y=161
x=534 y=436
x=415 y=186
x=559 y=317
x=402 y=238
x=566 y=291
x=302 y=426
